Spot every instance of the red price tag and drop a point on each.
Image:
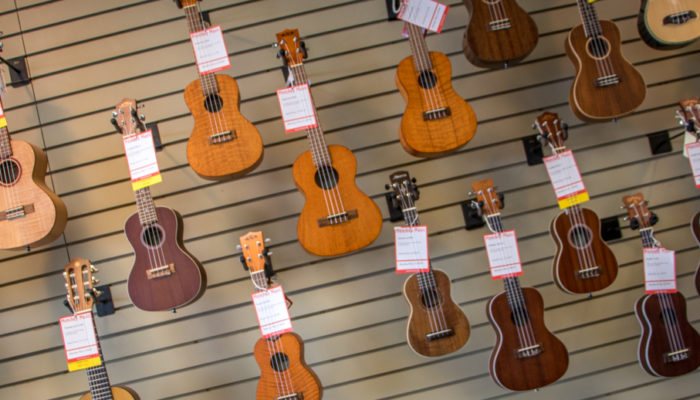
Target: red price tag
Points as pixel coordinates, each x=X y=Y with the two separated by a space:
x=271 y=309
x=411 y=246
x=80 y=341
x=427 y=14
x=503 y=254
x=297 y=108
x=141 y=158
x=693 y=150
x=210 y=50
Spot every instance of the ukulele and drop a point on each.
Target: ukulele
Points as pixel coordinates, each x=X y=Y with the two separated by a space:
x=695 y=228
x=499 y=33
x=583 y=262
x=606 y=85
x=81 y=296
x=668 y=345
x=437 y=121
x=436 y=325
x=283 y=372
x=164 y=275
x=223 y=144
x=337 y=217
x=669 y=24
x=526 y=354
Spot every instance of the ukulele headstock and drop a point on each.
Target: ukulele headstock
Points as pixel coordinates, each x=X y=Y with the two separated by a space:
x=292 y=49
x=404 y=188
x=185 y=3
x=552 y=130
x=126 y=119
x=256 y=259
x=488 y=202
x=689 y=114
x=79 y=284
x=637 y=211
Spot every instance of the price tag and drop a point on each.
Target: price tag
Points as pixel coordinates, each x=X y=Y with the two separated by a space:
x=566 y=179
x=693 y=150
x=659 y=270
x=411 y=245
x=141 y=157
x=427 y=14
x=273 y=314
x=79 y=341
x=688 y=138
x=210 y=50
x=297 y=108
x=503 y=254
x=3 y=121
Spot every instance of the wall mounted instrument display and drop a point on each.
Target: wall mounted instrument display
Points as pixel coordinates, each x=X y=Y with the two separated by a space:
x=337 y=217
x=436 y=325
x=583 y=262
x=669 y=345
x=164 y=275
x=526 y=354
x=81 y=297
x=669 y=24
x=606 y=85
x=499 y=33
x=223 y=144
x=284 y=375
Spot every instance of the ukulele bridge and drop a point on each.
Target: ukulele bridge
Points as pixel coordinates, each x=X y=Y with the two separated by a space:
x=293 y=396
x=438 y=113
x=160 y=272
x=592 y=272
x=16 y=212
x=529 y=351
x=439 y=334
x=222 y=137
x=607 y=80
x=676 y=356
x=337 y=218
x=680 y=18
x=499 y=24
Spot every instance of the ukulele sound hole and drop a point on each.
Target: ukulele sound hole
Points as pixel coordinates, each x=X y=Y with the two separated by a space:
x=326 y=178
x=598 y=47
x=152 y=236
x=9 y=172
x=519 y=316
x=580 y=236
x=430 y=298
x=279 y=362
x=213 y=103
x=668 y=315
x=427 y=79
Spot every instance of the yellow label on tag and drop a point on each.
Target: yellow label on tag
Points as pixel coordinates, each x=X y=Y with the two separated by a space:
x=151 y=180
x=573 y=200
x=3 y=122
x=592 y=1
x=86 y=363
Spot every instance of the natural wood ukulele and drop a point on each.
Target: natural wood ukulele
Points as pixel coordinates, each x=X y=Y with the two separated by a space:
x=526 y=355
x=165 y=275
x=337 y=217
x=223 y=144
x=81 y=297
x=669 y=24
x=284 y=374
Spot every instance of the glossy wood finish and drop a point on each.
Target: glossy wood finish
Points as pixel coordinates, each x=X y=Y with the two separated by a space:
x=438 y=137
x=340 y=238
x=489 y=48
x=695 y=228
x=118 y=393
x=298 y=377
x=664 y=36
x=594 y=104
x=184 y=286
x=528 y=373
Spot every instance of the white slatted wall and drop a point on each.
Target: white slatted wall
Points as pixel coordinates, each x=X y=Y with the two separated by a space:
x=86 y=55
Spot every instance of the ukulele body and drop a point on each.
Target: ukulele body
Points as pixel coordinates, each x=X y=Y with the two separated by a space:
x=221 y=159
x=45 y=214
x=498 y=48
x=420 y=317
x=655 y=26
x=160 y=292
x=527 y=373
x=336 y=238
x=436 y=137
x=593 y=103
x=118 y=393
x=302 y=378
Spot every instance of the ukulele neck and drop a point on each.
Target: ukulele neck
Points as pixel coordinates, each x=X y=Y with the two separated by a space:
x=419 y=48
x=98 y=380
x=196 y=23
x=647 y=235
x=591 y=24
x=145 y=206
x=5 y=147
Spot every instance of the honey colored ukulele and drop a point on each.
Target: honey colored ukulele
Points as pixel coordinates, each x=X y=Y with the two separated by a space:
x=669 y=344
x=337 y=217
x=165 y=275
x=526 y=355
x=81 y=294
x=436 y=325
x=437 y=121
x=223 y=144
x=606 y=85
x=284 y=374
x=499 y=33
x=669 y=24
x=583 y=262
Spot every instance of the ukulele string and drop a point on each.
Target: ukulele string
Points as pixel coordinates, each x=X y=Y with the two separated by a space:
x=430 y=90
x=151 y=228
x=9 y=193
x=497 y=11
x=602 y=59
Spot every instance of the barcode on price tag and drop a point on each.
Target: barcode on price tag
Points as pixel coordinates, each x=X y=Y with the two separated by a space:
x=210 y=50
x=693 y=150
x=503 y=254
x=566 y=179
x=297 y=108
x=141 y=158
x=79 y=341
x=273 y=314
x=659 y=270
x=411 y=245
x=427 y=14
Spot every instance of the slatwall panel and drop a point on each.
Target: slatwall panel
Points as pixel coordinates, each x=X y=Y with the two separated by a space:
x=85 y=56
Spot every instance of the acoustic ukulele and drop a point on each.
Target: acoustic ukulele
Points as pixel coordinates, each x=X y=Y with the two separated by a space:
x=337 y=217
x=499 y=33
x=583 y=262
x=436 y=325
x=669 y=24
x=284 y=375
x=437 y=121
x=526 y=354
x=695 y=228
x=165 y=275
x=223 y=143
x=606 y=85
x=81 y=297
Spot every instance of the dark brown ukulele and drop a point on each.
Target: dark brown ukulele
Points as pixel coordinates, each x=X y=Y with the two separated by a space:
x=436 y=325
x=165 y=275
x=583 y=262
x=499 y=33
x=669 y=345
x=526 y=354
x=695 y=228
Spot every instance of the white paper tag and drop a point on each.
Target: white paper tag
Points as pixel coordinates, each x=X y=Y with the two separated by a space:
x=411 y=246
x=503 y=254
x=688 y=138
x=141 y=158
x=428 y=14
x=79 y=340
x=693 y=150
x=210 y=50
x=659 y=270
x=297 y=108
x=273 y=314
x=564 y=174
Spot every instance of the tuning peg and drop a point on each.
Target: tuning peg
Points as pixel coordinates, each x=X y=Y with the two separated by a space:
x=269 y=253
x=533 y=126
x=65 y=275
x=142 y=117
x=93 y=268
x=625 y=218
x=95 y=280
x=66 y=285
x=238 y=247
x=267 y=240
x=115 y=124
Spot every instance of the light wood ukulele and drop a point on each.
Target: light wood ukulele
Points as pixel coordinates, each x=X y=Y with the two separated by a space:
x=337 y=217
x=81 y=297
x=669 y=24
x=436 y=325
x=223 y=144
x=284 y=374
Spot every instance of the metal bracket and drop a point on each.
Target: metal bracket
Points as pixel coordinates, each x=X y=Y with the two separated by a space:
x=19 y=73
x=157 y=142
x=395 y=213
x=610 y=229
x=103 y=300
x=659 y=142
x=533 y=149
